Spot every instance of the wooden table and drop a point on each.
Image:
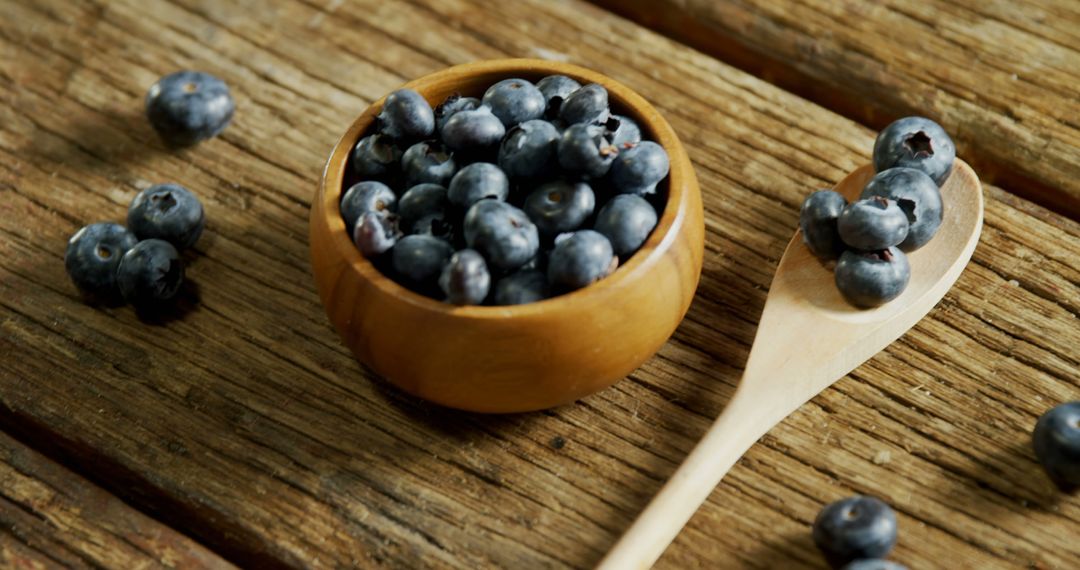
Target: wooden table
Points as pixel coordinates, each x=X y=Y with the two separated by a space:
x=244 y=433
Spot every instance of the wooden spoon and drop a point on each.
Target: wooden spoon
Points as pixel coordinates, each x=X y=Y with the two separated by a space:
x=808 y=338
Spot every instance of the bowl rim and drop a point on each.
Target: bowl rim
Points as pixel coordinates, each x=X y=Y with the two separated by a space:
x=680 y=183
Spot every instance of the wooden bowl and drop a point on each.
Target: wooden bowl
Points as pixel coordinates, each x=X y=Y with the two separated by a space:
x=523 y=357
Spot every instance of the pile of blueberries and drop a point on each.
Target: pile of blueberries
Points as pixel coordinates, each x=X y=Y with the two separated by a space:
x=898 y=212
x=141 y=263
x=530 y=191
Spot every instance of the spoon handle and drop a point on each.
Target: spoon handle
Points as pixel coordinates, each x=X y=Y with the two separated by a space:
x=731 y=435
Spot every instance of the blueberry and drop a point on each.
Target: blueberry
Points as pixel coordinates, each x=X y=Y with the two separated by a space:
x=502 y=233
x=528 y=151
x=465 y=279
x=584 y=150
x=556 y=88
x=622 y=131
x=855 y=528
x=406 y=115
x=586 y=105
x=872 y=224
x=874 y=564
x=375 y=156
x=150 y=272
x=869 y=279
x=560 y=206
x=476 y=182
x=425 y=202
x=474 y=131
x=1057 y=444
x=453 y=104
x=626 y=220
x=92 y=256
x=364 y=197
x=915 y=142
x=917 y=195
x=420 y=258
x=818 y=221
x=638 y=169
x=525 y=286
x=427 y=162
x=515 y=101
x=375 y=233
x=189 y=106
x=580 y=259
x=169 y=212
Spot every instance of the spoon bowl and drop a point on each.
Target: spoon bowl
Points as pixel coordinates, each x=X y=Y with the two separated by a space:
x=808 y=338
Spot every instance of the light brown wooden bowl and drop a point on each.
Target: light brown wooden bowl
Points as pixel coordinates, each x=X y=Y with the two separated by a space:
x=523 y=357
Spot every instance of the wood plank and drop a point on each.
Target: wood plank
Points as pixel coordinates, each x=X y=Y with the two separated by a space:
x=1001 y=77
x=52 y=518
x=246 y=424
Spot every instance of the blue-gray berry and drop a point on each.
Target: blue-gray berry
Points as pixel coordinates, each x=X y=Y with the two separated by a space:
x=455 y=103
x=583 y=150
x=579 y=259
x=525 y=286
x=92 y=256
x=363 y=197
x=476 y=182
x=917 y=195
x=423 y=202
x=427 y=162
x=406 y=115
x=588 y=104
x=465 y=279
x=189 y=106
x=874 y=564
x=473 y=131
x=515 y=101
x=528 y=151
x=853 y=529
x=503 y=234
x=169 y=212
x=560 y=206
x=376 y=156
x=817 y=220
x=1057 y=444
x=622 y=131
x=150 y=272
x=556 y=88
x=420 y=258
x=915 y=142
x=375 y=233
x=638 y=169
x=872 y=224
x=626 y=220
x=872 y=278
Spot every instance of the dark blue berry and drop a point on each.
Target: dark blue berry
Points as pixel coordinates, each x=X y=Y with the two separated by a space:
x=584 y=150
x=818 y=220
x=874 y=564
x=150 y=272
x=189 y=106
x=515 y=101
x=586 y=105
x=363 y=197
x=556 y=88
x=579 y=259
x=872 y=224
x=503 y=234
x=375 y=156
x=473 y=131
x=375 y=233
x=525 y=286
x=626 y=220
x=853 y=529
x=427 y=162
x=92 y=256
x=917 y=195
x=169 y=212
x=465 y=279
x=622 y=131
x=476 y=182
x=406 y=115
x=420 y=258
x=453 y=104
x=1057 y=444
x=528 y=151
x=638 y=169
x=872 y=278
x=423 y=202
x=560 y=206
x=915 y=142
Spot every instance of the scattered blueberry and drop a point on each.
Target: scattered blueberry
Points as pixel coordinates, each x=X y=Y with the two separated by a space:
x=853 y=529
x=917 y=195
x=476 y=182
x=528 y=151
x=818 y=220
x=874 y=564
x=475 y=130
x=375 y=233
x=560 y=206
x=422 y=202
x=915 y=142
x=427 y=162
x=502 y=233
x=150 y=272
x=872 y=278
x=453 y=104
x=525 y=286
x=169 y=212
x=580 y=259
x=588 y=104
x=406 y=115
x=364 y=197
x=872 y=224
x=556 y=88
x=1057 y=444
x=622 y=131
x=92 y=256
x=515 y=101
x=638 y=169
x=189 y=106
x=584 y=150
x=626 y=220
x=465 y=279
x=420 y=258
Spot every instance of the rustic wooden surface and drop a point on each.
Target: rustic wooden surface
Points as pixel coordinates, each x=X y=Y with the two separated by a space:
x=245 y=424
x=52 y=518
x=1002 y=77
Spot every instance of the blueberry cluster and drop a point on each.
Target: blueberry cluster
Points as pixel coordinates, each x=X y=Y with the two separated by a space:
x=1056 y=440
x=898 y=212
x=528 y=192
x=141 y=263
x=857 y=533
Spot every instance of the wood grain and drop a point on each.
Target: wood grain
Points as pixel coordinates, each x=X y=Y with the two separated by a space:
x=52 y=518
x=1000 y=76
x=248 y=425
